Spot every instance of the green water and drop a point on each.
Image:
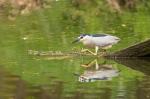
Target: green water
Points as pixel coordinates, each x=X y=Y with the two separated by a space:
x=25 y=76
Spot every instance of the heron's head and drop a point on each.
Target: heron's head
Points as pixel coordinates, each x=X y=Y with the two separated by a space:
x=81 y=38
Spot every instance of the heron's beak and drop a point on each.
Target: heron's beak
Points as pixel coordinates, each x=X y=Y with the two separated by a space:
x=77 y=40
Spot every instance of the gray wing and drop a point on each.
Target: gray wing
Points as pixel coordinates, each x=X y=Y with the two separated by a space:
x=99 y=35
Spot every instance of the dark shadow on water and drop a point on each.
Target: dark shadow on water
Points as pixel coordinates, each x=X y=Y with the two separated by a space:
x=140 y=64
x=143 y=65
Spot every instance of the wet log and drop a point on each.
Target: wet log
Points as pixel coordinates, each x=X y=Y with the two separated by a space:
x=138 y=50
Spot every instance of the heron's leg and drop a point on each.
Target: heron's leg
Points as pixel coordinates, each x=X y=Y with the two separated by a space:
x=96 y=49
x=87 y=50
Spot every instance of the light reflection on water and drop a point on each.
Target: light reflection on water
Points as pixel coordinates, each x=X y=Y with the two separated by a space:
x=100 y=72
x=120 y=86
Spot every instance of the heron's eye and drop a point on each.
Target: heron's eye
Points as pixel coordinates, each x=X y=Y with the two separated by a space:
x=81 y=37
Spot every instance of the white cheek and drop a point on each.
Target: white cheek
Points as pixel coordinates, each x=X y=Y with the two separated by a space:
x=81 y=40
x=85 y=39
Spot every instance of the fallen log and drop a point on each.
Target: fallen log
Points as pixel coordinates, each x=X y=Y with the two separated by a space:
x=138 y=50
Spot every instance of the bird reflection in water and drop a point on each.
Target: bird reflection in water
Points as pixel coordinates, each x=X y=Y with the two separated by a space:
x=100 y=72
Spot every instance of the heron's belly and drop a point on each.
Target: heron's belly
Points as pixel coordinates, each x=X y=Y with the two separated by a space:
x=89 y=44
x=93 y=44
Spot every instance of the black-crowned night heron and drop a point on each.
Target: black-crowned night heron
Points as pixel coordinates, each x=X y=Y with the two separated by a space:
x=97 y=41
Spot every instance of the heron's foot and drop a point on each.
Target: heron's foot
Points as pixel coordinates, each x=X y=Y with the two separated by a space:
x=85 y=65
x=84 y=50
x=94 y=54
x=87 y=50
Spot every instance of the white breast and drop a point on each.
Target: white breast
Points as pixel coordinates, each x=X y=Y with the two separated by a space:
x=88 y=42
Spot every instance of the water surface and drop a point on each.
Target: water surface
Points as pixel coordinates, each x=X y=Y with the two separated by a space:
x=61 y=79
x=28 y=76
